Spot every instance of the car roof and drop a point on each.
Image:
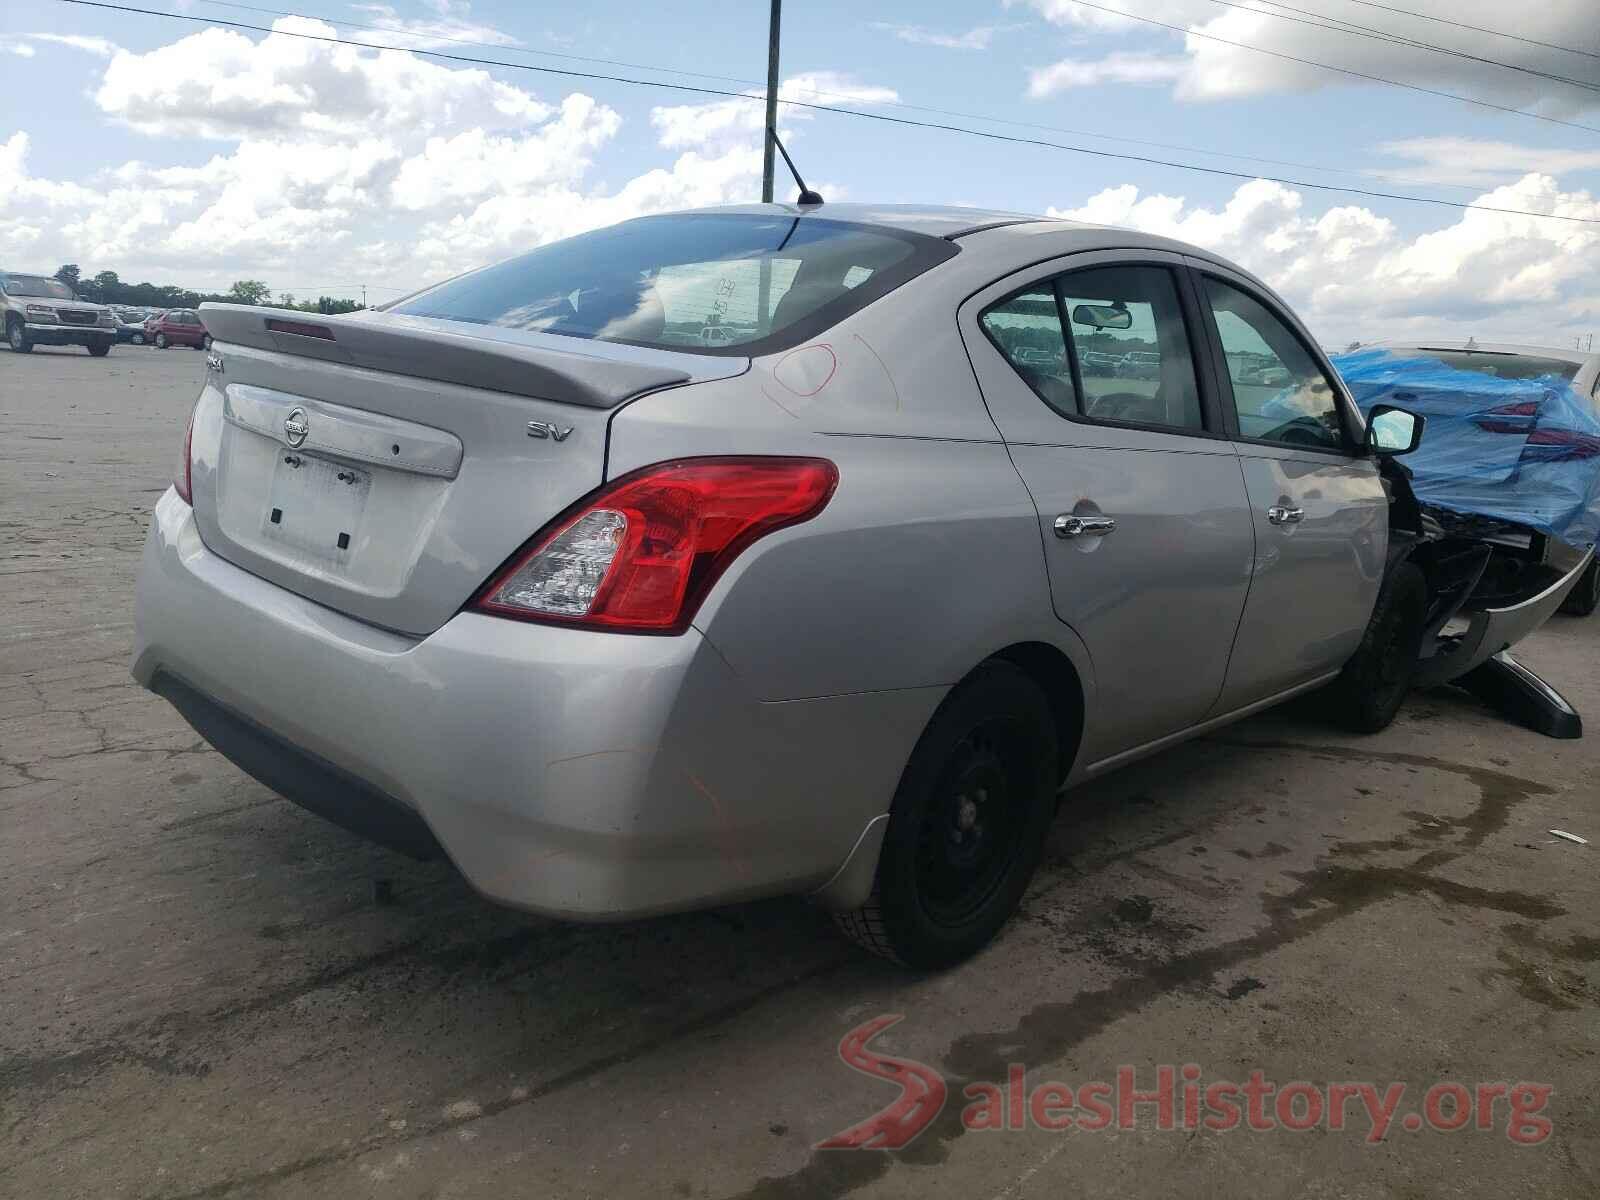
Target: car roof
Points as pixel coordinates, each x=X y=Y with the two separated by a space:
x=997 y=226
x=1560 y=354
x=936 y=220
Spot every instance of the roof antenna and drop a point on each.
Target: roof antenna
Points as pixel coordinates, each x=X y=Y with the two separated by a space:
x=807 y=196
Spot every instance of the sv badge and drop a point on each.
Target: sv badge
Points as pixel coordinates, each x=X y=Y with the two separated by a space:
x=544 y=429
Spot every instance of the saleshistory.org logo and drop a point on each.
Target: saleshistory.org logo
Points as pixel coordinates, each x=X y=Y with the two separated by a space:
x=1178 y=1098
x=921 y=1093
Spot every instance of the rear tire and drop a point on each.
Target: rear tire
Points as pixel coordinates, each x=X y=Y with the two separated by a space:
x=99 y=349
x=17 y=336
x=967 y=825
x=1585 y=594
x=205 y=344
x=137 y=339
x=1373 y=685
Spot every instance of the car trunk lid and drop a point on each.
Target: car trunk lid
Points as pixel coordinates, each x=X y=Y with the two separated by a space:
x=384 y=467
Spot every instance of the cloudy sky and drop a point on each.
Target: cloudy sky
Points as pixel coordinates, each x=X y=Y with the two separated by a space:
x=193 y=153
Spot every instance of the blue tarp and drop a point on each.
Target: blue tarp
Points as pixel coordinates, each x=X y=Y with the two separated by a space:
x=1522 y=450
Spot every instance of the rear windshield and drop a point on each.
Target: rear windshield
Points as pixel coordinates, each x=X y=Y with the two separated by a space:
x=712 y=283
x=1504 y=366
x=38 y=285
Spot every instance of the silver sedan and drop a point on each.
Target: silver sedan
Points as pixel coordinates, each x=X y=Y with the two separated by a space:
x=529 y=570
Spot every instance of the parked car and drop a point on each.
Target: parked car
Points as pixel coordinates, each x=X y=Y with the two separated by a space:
x=625 y=627
x=130 y=325
x=1540 y=367
x=1140 y=364
x=177 y=327
x=1509 y=360
x=1266 y=377
x=1037 y=356
x=41 y=311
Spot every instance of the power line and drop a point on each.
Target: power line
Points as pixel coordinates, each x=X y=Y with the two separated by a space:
x=1309 y=62
x=1406 y=12
x=849 y=112
x=1350 y=28
x=810 y=91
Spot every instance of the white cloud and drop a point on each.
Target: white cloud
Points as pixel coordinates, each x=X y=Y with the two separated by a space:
x=1474 y=162
x=97 y=46
x=1352 y=274
x=977 y=38
x=722 y=121
x=1216 y=70
x=506 y=223
x=448 y=26
x=342 y=163
x=474 y=163
x=1114 y=68
x=20 y=49
x=221 y=84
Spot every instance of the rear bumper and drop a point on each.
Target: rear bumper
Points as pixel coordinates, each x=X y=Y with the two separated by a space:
x=577 y=774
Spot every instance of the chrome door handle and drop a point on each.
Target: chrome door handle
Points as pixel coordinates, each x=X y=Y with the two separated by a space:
x=1070 y=526
x=1279 y=515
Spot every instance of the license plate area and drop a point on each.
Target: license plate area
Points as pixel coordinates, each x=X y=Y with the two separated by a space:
x=316 y=506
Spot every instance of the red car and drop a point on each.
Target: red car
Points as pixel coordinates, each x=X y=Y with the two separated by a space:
x=177 y=327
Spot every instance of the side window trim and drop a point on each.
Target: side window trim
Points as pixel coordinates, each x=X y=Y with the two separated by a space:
x=1351 y=447
x=1215 y=409
x=1071 y=344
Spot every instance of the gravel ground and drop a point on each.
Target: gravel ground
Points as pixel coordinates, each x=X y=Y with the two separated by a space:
x=201 y=996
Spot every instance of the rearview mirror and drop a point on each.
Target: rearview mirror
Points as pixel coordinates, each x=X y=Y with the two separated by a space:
x=1392 y=430
x=1102 y=316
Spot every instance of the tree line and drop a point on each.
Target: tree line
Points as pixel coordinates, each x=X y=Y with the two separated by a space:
x=107 y=288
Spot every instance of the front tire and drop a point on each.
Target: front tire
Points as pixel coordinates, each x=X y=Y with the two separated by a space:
x=205 y=343
x=1584 y=597
x=161 y=341
x=17 y=337
x=137 y=339
x=1373 y=685
x=967 y=825
x=99 y=349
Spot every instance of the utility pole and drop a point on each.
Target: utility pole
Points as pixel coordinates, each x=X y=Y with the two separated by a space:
x=363 y=295
x=772 y=103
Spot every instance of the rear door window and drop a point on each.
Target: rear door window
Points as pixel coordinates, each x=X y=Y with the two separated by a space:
x=1133 y=346
x=1108 y=344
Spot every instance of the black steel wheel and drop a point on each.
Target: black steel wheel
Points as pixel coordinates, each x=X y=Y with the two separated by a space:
x=967 y=825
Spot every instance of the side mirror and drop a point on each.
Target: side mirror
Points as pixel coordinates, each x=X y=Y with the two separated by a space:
x=1392 y=430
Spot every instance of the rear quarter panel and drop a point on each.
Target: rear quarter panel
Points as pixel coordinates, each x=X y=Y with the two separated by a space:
x=927 y=559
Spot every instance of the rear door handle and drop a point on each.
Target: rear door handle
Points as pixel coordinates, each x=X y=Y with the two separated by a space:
x=1280 y=515
x=1069 y=525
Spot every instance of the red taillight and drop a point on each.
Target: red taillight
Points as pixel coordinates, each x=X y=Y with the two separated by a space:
x=180 y=477
x=640 y=554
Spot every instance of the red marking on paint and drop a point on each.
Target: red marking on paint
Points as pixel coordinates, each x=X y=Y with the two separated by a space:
x=833 y=365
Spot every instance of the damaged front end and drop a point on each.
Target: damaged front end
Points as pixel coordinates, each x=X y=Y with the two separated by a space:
x=1499 y=506
x=1490 y=584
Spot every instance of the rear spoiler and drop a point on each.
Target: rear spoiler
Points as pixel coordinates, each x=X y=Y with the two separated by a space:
x=524 y=363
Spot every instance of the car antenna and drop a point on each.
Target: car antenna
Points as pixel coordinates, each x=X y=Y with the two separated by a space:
x=807 y=196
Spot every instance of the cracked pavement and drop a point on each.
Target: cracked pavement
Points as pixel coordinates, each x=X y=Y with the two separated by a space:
x=202 y=996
